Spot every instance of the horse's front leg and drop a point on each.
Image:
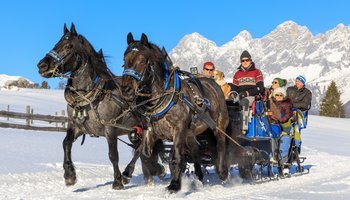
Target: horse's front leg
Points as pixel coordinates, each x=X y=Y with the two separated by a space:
x=114 y=158
x=68 y=166
x=178 y=162
x=127 y=174
x=150 y=165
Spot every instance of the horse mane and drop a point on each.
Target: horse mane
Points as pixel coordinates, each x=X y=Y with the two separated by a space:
x=99 y=63
x=157 y=55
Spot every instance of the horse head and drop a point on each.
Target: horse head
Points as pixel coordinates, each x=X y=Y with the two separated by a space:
x=143 y=67
x=67 y=56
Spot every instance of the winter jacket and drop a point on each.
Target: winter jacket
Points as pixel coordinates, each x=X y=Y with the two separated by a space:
x=248 y=82
x=301 y=98
x=281 y=110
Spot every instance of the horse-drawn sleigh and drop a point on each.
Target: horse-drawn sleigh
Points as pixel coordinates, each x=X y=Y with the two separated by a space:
x=167 y=103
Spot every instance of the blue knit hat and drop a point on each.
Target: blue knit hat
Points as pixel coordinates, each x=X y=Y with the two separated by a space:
x=301 y=79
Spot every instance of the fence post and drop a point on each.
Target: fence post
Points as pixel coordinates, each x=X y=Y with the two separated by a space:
x=31 y=112
x=28 y=112
x=63 y=113
x=8 y=110
x=56 y=116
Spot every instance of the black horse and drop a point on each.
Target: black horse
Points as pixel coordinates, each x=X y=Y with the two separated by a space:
x=95 y=106
x=176 y=109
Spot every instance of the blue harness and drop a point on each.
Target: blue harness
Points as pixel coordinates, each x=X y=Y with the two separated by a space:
x=177 y=86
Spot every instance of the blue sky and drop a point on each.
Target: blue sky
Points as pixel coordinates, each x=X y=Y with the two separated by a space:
x=29 y=29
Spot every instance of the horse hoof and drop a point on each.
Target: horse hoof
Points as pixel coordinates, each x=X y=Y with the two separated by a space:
x=71 y=181
x=126 y=180
x=224 y=175
x=173 y=188
x=118 y=186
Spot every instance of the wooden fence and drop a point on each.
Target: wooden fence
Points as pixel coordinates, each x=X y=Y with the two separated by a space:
x=29 y=116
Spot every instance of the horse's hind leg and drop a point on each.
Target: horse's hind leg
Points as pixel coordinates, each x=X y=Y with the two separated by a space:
x=69 y=171
x=221 y=163
x=196 y=156
x=198 y=171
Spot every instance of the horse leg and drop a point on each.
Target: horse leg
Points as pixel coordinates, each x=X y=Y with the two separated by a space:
x=68 y=166
x=127 y=174
x=178 y=162
x=196 y=156
x=150 y=165
x=114 y=158
x=198 y=171
x=221 y=163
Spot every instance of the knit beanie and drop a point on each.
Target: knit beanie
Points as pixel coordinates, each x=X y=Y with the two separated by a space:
x=245 y=54
x=301 y=79
x=281 y=82
x=280 y=90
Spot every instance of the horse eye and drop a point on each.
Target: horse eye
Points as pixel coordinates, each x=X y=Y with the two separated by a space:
x=67 y=37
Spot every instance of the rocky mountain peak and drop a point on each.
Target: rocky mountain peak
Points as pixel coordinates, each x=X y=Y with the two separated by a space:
x=286 y=52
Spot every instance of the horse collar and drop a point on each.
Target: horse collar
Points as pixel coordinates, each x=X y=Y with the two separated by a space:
x=172 y=101
x=75 y=98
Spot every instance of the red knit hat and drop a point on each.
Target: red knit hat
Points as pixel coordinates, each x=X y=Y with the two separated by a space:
x=208 y=63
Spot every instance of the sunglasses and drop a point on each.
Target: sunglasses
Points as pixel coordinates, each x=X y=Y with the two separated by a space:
x=245 y=60
x=278 y=95
x=208 y=69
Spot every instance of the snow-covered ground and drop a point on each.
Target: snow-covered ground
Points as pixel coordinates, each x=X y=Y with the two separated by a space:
x=31 y=164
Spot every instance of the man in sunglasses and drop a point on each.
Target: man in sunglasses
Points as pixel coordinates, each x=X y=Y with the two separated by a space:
x=248 y=82
x=208 y=69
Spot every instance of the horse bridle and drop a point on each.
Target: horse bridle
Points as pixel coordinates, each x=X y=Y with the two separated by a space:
x=139 y=77
x=61 y=61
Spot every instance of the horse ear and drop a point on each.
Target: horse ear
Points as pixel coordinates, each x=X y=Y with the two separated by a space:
x=164 y=53
x=72 y=30
x=166 y=56
x=100 y=52
x=130 y=38
x=65 y=29
x=144 y=39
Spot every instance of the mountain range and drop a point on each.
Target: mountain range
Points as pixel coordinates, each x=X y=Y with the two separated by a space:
x=286 y=52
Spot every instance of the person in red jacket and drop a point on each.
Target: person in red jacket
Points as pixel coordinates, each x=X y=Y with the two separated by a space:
x=248 y=82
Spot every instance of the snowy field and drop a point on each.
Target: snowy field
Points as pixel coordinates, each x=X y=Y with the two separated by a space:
x=31 y=164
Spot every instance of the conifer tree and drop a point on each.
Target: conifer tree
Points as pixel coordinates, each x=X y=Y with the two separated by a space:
x=331 y=105
x=45 y=85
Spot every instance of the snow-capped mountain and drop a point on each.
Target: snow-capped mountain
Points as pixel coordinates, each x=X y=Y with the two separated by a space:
x=7 y=81
x=288 y=51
